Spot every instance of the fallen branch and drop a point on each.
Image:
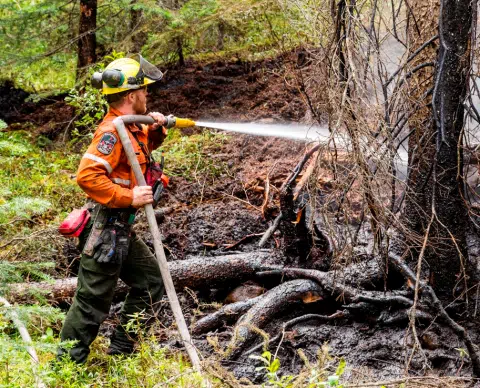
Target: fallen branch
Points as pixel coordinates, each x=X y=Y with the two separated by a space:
x=198 y=272
x=421 y=381
x=242 y=240
x=26 y=338
x=270 y=231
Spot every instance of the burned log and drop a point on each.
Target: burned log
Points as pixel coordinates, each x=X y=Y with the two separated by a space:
x=194 y=273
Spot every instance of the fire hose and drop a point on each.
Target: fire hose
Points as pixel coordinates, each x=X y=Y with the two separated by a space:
x=119 y=123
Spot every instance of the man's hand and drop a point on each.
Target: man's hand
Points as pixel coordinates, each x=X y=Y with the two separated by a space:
x=160 y=120
x=141 y=196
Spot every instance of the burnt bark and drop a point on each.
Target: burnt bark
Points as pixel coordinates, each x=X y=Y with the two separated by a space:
x=453 y=67
x=194 y=273
x=86 y=52
x=297 y=237
x=435 y=149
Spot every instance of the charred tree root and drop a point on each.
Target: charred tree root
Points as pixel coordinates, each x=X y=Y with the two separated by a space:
x=319 y=285
x=226 y=314
x=272 y=303
x=438 y=308
x=295 y=321
x=357 y=274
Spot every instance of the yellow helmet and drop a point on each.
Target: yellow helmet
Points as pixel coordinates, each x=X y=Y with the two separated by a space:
x=126 y=74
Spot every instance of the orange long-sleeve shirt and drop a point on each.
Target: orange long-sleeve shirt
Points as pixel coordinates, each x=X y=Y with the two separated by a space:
x=104 y=172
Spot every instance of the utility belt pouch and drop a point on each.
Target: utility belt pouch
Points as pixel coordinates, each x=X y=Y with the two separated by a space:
x=75 y=222
x=100 y=217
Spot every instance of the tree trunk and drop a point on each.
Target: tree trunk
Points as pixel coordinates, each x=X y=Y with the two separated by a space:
x=138 y=37
x=181 y=58
x=422 y=25
x=221 y=35
x=453 y=67
x=87 y=40
x=435 y=158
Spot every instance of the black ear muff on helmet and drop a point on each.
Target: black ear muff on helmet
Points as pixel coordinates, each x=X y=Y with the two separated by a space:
x=115 y=78
x=112 y=77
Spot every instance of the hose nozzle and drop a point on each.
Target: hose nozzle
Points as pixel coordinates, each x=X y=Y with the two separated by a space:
x=176 y=122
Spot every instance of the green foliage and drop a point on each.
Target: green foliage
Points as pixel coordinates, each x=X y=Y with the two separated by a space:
x=271 y=367
x=318 y=375
x=17 y=272
x=36 y=190
x=89 y=102
x=39 y=42
x=151 y=366
x=3 y=124
x=24 y=207
x=189 y=156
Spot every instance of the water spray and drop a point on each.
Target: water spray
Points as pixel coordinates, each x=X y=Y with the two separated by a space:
x=288 y=131
x=307 y=133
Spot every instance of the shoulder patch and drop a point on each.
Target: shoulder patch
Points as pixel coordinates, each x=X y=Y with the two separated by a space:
x=106 y=144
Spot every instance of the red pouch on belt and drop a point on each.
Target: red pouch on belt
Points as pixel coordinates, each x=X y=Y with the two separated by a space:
x=155 y=174
x=75 y=222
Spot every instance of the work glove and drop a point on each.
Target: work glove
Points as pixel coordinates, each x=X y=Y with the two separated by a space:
x=105 y=247
x=112 y=246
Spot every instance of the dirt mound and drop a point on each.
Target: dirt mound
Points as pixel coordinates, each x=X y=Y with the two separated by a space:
x=241 y=91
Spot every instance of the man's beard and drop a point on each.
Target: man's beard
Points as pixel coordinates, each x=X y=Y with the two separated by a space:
x=139 y=108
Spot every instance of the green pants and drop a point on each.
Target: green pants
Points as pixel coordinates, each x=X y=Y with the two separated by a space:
x=95 y=290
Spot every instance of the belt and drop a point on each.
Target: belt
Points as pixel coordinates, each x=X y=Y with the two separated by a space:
x=125 y=216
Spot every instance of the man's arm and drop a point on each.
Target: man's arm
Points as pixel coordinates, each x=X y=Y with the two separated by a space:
x=93 y=176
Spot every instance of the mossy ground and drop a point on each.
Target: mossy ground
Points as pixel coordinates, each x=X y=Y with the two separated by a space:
x=37 y=190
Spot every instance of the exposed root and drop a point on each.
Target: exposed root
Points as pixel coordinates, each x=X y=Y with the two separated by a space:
x=228 y=313
x=437 y=307
x=295 y=321
x=275 y=301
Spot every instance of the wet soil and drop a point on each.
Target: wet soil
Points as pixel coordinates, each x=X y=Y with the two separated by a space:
x=212 y=214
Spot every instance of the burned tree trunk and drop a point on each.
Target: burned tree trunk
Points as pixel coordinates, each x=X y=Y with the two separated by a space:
x=453 y=66
x=434 y=209
x=87 y=40
x=198 y=272
x=297 y=236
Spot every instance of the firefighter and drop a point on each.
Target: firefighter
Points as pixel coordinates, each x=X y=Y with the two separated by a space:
x=110 y=249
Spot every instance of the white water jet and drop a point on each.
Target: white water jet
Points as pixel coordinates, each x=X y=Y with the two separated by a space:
x=289 y=131
x=308 y=133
